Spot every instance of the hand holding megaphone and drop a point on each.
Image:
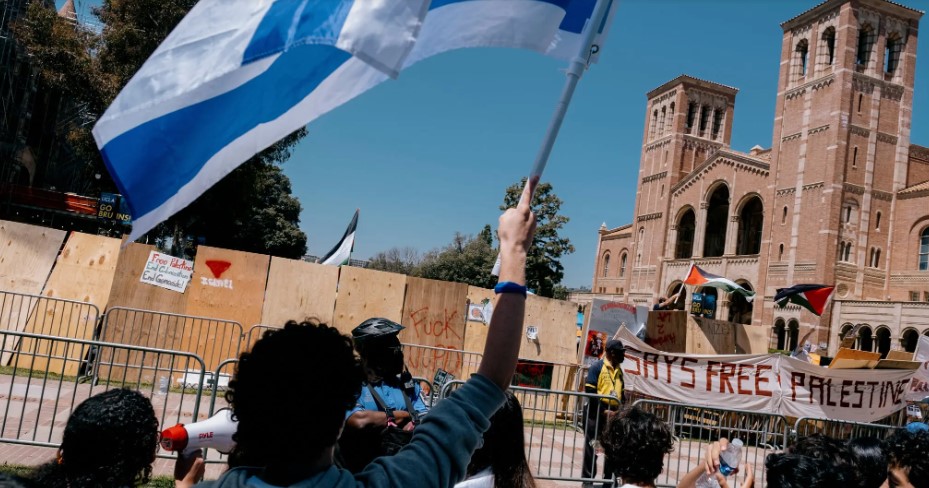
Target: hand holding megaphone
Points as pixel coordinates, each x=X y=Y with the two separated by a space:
x=213 y=433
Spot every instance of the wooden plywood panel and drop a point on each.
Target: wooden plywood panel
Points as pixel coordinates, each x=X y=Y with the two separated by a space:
x=556 y=321
x=667 y=330
x=434 y=316
x=299 y=290
x=227 y=285
x=84 y=272
x=148 y=329
x=708 y=336
x=476 y=332
x=365 y=293
x=27 y=254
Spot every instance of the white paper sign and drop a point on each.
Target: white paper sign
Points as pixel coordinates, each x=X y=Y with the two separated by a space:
x=167 y=271
x=919 y=387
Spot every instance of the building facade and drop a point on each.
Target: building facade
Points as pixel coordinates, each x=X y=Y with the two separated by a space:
x=841 y=196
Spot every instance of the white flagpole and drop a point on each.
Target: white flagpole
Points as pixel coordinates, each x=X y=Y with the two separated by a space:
x=574 y=73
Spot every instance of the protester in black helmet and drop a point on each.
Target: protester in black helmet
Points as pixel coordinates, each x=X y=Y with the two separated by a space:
x=389 y=398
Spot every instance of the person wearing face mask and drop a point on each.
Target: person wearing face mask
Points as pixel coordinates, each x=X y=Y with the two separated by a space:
x=390 y=404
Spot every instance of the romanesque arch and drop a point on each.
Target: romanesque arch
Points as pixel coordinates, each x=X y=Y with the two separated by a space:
x=717 y=215
x=686 y=225
x=751 y=221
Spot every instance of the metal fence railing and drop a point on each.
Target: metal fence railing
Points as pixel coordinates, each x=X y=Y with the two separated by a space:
x=214 y=340
x=554 y=424
x=841 y=430
x=254 y=333
x=694 y=427
x=424 y=361
x=39 y=314
x=35 y=403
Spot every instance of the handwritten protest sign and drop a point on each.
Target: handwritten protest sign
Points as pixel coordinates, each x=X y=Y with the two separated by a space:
x=771 y=383
x=167 y=271
x=919 y=388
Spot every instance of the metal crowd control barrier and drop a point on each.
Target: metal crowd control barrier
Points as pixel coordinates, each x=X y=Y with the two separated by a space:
x=694 y=427
x=36 y=402
x=220 y=376
x=39 y=314
x=213 y=339
x=254 y=333
x=554 y=428
x=838 y=429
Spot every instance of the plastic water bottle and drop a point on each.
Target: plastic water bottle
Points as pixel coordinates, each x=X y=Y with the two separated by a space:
x=728 y=464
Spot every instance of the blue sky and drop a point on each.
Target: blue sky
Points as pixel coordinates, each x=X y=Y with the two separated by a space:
x=432 y=152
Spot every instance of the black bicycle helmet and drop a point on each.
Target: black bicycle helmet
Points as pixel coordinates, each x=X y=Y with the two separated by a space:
x=375 y=328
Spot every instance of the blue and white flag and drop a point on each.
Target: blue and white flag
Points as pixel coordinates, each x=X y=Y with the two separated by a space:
x=236 y=76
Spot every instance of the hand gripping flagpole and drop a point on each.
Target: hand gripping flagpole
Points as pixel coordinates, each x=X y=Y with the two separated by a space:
x=574 y=73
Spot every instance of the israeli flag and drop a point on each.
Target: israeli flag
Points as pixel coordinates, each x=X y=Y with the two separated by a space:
x=235 y=76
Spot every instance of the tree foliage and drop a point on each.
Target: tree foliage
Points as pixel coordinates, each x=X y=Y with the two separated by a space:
x=468 y=259
x=396 y=260
x=251 y=209
x=543 y=263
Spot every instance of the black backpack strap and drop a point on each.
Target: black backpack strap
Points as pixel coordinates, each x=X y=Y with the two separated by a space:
x=381 y=404
x=409 y=407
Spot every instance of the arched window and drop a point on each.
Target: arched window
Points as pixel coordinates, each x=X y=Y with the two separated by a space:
x=784 y=216
x=892 y=53
x=622 y=265
x=661 y=122
x=740 y=309
x=751 y=219
x=909 y=340
x=675 y=288
x=780 y=252
x=685 y=235
x=845 y=329
x=714 y=243
x=654 y=126
x=803 y=50
x=865 y=339
x=860 y=98
x=865 y=42
x=883 y=341
x=606 y=264
x=670 y=125
x=924 y=250
x=641 y=235
x=780 y=332
x=717 y=122
x=877 y=221
x=691 y=115
x=874 y=259
x=855 y=150
x=704 y=119
x=841 y=251
x=828 y=43
x=793 y=334
x=847 y=257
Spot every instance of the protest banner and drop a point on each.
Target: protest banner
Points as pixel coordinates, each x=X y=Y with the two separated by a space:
x=608 y=317
x=919 y=387
x=770 y=383
x=167 y=271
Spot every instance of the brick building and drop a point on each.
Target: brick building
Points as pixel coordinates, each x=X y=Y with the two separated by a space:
x=841 y=196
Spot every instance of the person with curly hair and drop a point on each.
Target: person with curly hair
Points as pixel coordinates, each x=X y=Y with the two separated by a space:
x=291 y=392
x=788 y=470
x=501 y=461
x=868 y=462
x=635 y=443
x=109 y=441
x=908 y=459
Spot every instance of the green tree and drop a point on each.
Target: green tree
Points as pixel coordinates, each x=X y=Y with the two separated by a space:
x=468 y=259
x=543 y=263
x=396 y=260
x=251 y=209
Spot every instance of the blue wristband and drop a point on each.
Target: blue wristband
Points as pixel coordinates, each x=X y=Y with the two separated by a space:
x=510 y=287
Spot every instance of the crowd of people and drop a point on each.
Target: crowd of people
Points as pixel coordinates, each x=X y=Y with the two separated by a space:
x=316 y=408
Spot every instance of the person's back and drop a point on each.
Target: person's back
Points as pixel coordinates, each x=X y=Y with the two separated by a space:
x=109 y=441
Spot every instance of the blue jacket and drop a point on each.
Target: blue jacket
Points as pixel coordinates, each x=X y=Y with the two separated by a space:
x=437 y=456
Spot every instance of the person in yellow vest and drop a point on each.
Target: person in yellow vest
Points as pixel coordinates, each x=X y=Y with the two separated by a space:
x=605 y=377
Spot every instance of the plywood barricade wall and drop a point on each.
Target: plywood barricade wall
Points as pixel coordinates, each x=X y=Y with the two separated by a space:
x=556 y=322
x=708 y=336
x=298 y=290
x=84 y=272
x=163 y=327
x=226 y=285
x=365 y=293
x=476 y=332
x=666 y=330
x=27 y=254
x=434 y=316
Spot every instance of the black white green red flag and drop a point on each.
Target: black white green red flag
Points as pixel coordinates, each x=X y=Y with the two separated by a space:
x=342 y=252
x=698 y=277
x=810 y=297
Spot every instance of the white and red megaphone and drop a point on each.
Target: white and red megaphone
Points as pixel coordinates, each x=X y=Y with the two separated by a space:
x=213 y=433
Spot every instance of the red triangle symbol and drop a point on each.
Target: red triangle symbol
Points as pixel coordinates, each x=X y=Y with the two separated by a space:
x=218 y=267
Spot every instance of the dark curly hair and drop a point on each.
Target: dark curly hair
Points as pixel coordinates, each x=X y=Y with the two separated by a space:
x=635 y=443
x=786 y=470
x=868 y=462
x=290 y=394
x=828 y=449
x=110 y=440
x=909 y=452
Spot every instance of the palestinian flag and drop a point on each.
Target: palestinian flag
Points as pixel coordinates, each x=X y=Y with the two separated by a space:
x=341 y=253
x=810 y=297
x=698 y=277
